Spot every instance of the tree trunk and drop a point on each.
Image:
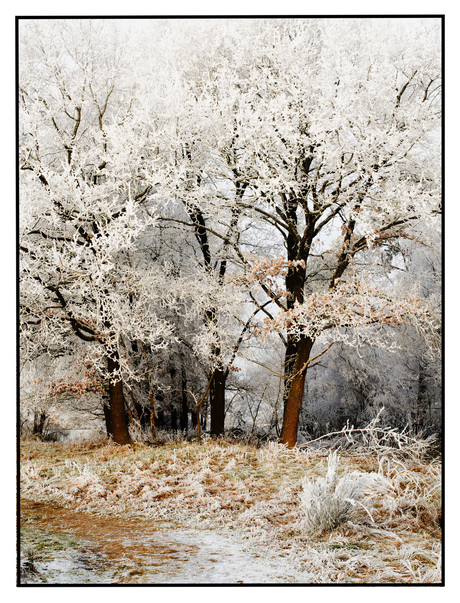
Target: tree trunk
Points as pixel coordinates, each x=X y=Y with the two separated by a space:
x=108 y=419
x=217 y=399
x=184 y=405
x=160 y=419
x=151 y=394
x=293 y=402
x=174 y=419
x=118 y=418
x=39 y=422
x=153 y=429
x=289 y=361
x=295 y=283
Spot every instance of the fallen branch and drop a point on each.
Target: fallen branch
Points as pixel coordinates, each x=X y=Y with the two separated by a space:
x=381 y=440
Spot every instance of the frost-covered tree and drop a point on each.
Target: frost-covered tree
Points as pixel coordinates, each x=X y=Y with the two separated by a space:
x=332 y=127
x=82 y=224
x=198 y=228
x=275 y=158
x=103 y=148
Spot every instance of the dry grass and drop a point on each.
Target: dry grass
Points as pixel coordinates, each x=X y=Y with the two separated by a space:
x=224 y=485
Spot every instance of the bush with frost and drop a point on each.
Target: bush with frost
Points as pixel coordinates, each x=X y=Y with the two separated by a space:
x=329 y=501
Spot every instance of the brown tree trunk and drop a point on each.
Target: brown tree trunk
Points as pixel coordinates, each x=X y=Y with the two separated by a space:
x=108 y=419
x=118 y=417
x=293 y=403
x=153 y=430
x=289 y=361
x=184 y=405
x=295 y=282
x=137 y=418
x=39 y=422
x=217 y=399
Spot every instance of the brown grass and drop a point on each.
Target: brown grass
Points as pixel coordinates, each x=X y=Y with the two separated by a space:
x=221 y=484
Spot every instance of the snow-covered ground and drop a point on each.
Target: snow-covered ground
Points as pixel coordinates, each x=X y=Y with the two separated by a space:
x=173 y=557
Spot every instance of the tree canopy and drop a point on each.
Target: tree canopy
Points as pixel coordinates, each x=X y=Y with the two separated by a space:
x=190 y=188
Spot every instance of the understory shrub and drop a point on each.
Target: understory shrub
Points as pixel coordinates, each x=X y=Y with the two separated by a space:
x=329 y=501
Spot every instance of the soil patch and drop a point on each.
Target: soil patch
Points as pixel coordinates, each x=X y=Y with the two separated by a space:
x=113 y=550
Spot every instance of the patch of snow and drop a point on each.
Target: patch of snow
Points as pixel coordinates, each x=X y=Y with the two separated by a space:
x=225 y=559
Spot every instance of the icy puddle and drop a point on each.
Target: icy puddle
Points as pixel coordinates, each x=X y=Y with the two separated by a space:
x=59 y=546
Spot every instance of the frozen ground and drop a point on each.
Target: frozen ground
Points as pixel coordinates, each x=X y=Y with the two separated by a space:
x=115 y=551
x=222 y=512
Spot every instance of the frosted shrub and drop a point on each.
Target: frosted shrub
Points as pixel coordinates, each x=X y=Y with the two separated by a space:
x=329 y=501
